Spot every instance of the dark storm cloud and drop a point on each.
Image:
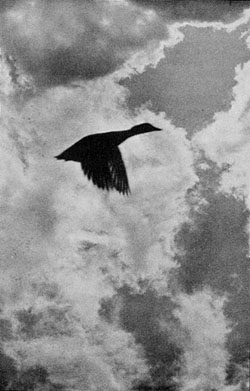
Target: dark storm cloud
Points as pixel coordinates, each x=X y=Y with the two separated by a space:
x=8 y=370
x=33 y=378
x=58 y=43
x=202 y=10
x=7 y=4
x=214 y=246
x=192 y=82
x=142 y=314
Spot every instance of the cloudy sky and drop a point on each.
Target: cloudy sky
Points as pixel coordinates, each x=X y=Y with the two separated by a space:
x=110 y=293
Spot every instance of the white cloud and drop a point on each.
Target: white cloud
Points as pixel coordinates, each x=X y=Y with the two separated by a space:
x=59 y=229
x=226 y=140
x=201 y=315
x=110 y=362
x=52 y=211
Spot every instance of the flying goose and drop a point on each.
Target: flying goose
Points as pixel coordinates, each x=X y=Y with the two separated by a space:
x=101 y=159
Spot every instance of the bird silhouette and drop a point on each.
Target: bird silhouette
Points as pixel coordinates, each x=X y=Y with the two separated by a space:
x=101 y=159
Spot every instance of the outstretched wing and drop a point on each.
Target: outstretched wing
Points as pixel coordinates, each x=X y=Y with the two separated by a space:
x=106 y=170
x=118 y=172
x=101 y=162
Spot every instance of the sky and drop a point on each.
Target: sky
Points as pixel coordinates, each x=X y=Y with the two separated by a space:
x=149 y=291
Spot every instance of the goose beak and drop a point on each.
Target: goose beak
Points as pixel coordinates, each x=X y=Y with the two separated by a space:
x=157 y=128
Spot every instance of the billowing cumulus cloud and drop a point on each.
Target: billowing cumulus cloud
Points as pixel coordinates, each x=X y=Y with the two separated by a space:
x=67 y=246
x=232 y=135
x=150 y=317
x=58 y=43
x=226 y=142
x=100 y=291
x=205 y=358
x=214 y=246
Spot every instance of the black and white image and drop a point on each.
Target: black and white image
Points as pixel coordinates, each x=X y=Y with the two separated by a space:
x=124 y=195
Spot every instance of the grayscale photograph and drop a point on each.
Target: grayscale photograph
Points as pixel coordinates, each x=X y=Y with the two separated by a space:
x=124 y=195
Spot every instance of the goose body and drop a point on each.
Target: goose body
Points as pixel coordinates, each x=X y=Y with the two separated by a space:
x=101 y=159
